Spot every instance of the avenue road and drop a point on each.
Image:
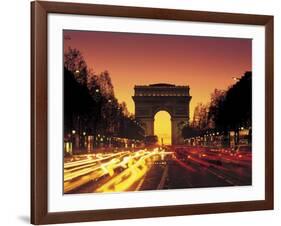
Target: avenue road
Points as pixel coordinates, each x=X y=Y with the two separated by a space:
x=157 y=168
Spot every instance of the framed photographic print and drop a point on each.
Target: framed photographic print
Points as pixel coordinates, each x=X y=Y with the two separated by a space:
x=145 y=112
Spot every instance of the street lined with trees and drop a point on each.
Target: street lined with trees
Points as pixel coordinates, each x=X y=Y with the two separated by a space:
x=92 y=114
x=228 y=112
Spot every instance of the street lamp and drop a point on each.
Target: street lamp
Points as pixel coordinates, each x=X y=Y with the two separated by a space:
x=73 y=146
x=236 y=78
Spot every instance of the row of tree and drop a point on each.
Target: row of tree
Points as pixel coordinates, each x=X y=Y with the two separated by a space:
x=90 y=106
x=228 y=110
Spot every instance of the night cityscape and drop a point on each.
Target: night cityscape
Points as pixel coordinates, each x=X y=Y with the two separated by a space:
x=136 y=126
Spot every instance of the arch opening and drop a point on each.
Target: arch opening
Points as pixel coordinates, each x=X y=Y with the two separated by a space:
x=163 y=127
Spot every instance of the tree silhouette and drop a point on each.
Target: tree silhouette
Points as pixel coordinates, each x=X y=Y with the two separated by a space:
x=234 y=110
x=77 y=105
x=228 y=110
x=90 y=104
x=217 y=98
x=75 y=63
x=200 y=116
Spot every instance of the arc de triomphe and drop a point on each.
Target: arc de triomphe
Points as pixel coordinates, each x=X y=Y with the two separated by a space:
x=151 y=99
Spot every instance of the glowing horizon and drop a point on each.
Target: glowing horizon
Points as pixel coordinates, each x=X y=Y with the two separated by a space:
x=163 y=127
x=203 y=63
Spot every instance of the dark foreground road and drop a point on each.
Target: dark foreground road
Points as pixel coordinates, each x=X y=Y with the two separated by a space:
x=173 y=168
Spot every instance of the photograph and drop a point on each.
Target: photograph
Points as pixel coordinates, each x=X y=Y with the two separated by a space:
x=145 y=112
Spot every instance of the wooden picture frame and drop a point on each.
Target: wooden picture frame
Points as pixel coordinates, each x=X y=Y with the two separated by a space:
x=39 y=109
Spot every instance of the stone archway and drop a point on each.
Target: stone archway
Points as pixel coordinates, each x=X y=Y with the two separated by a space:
x=156 y=97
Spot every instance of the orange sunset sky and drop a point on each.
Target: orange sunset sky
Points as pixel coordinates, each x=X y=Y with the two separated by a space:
x=203 y=63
